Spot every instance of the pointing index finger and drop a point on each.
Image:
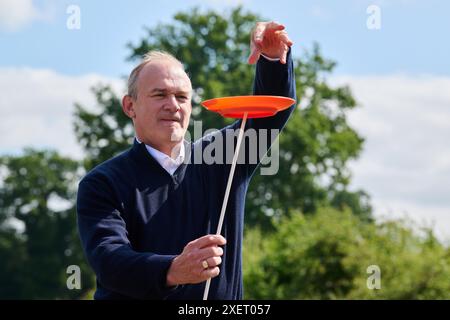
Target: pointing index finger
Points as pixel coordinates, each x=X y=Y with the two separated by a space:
x=274 y=26
x=262 y=28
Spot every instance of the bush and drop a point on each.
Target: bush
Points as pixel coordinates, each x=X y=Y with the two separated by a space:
x=327 y=255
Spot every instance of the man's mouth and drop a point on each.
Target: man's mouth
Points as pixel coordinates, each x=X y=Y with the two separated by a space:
x=170 y=120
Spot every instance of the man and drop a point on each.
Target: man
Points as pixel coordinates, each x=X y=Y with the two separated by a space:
x=147 y=217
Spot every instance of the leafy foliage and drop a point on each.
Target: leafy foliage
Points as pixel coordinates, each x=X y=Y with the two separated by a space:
x=37 y=194
x=104 y=134
x=326 y=256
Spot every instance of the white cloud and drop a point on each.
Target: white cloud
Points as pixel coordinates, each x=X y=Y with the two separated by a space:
x=37 y=108
x=16 y=14
x=405 y=165
x=424 y=215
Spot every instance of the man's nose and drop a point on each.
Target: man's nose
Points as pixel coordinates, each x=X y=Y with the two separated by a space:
x=172 y=103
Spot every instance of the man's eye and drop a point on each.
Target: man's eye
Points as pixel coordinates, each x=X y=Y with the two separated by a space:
x=182 y=97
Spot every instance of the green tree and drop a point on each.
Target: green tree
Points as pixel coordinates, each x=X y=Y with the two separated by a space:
x=37 y=195
x=322 y=255
x=326 y=256
x=315 y=147
x=103 y=134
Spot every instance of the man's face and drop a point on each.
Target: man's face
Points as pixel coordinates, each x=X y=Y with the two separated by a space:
x=163 y=105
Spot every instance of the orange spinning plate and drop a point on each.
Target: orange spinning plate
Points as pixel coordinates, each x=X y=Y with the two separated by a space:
x=254 y=106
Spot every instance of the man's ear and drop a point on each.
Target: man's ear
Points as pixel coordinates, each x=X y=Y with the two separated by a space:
x=128 y=106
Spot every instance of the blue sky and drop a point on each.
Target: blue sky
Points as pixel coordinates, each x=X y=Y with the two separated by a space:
x=411 y=39
x=400 y=76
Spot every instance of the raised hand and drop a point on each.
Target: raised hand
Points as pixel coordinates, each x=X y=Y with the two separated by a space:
x=270 y=39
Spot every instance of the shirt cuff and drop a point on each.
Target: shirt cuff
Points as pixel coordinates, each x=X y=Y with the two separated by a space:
x=270 y=59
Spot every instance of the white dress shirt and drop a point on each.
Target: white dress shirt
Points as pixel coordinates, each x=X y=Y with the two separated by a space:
x=169 y=164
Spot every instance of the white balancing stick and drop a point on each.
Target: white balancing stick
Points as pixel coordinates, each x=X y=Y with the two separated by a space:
x=227 y=191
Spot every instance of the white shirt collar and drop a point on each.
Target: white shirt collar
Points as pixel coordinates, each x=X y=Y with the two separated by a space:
x=169 y=164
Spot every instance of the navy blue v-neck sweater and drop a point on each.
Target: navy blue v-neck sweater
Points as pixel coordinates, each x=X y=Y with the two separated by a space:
x=134 y=217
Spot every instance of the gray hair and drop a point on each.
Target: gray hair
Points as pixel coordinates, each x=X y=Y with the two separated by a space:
x=150 y=56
